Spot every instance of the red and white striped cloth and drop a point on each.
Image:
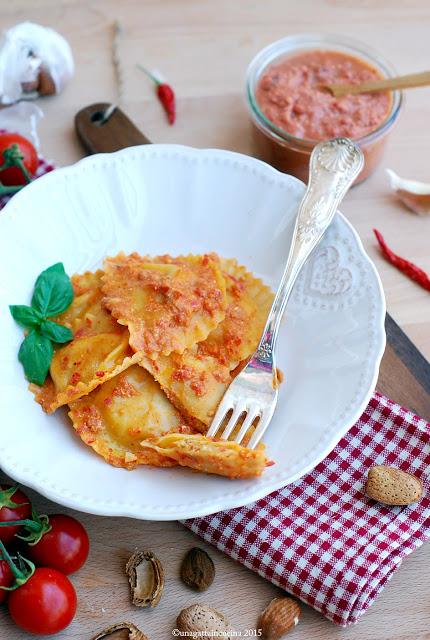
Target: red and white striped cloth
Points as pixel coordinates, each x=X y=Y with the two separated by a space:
x=321 y=538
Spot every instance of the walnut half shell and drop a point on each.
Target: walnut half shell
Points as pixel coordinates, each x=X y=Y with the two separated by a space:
x=146 y=577
x=121 y=631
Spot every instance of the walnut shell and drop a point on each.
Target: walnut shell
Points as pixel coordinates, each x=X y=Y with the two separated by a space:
x=201 y=617
x=279 y=617
x=146 y=577
x=121 y=631
x=198 y=569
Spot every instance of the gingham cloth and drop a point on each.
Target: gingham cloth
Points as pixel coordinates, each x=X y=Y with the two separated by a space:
x=321 y=538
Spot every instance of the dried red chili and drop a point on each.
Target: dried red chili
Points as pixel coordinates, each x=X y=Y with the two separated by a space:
x=165 y=94
x=405 y=266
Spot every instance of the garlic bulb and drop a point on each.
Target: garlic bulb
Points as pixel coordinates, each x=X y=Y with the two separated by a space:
x=34 y=60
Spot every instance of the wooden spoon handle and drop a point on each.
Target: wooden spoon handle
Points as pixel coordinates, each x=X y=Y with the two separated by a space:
x=400 y=82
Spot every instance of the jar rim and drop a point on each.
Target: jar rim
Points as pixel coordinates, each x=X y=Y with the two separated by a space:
x=311 y=41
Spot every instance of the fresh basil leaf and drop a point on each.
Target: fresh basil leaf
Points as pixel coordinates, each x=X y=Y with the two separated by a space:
x=58 y=267
x=25 y=316
x=55 y=332
x=53 y=291
x=35 y=354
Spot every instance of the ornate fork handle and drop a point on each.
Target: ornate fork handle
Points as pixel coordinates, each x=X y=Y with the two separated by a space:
x=334 y=165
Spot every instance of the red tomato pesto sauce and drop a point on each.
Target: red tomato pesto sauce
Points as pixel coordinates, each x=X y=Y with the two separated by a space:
x=289 y=94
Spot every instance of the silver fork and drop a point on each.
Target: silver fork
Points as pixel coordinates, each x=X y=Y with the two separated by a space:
x=254 y=392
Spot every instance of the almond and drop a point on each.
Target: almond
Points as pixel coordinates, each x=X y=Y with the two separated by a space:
x=393 y=486
x=202 y=618
x=198 y=569
x=279 y=617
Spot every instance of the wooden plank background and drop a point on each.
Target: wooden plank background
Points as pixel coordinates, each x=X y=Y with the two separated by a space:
x=203 y=47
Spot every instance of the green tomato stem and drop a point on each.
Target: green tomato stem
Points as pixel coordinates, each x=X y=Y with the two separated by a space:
x=35 y=528
x=10 y=190
x=14 y=158
x=6 y=496
x=21 y=576
x=30 y=524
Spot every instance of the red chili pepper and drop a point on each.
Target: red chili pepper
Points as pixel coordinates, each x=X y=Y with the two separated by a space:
x=165 y=94
x=408 y=268
x=167 y=99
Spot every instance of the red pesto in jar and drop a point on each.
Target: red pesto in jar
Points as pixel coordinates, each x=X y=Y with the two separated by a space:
x=289 y=94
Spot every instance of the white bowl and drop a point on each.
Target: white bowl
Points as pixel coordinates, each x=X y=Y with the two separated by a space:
x=173 y=199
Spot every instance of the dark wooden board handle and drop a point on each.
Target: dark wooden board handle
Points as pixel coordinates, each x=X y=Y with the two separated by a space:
x=404 y=374
x=116 y=133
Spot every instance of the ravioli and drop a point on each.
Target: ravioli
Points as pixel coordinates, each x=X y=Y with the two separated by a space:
x=115 y=417
x=99 y=350
x=168 y=304
x=156 y=342
x=196 y=380
x=129 y=422
x=248 y=305
x=210 y=456
x=194 y=383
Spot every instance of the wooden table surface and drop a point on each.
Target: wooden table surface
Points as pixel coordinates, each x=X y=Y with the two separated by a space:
x=203 y=47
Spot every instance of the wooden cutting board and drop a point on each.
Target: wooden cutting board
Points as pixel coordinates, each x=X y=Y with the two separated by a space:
x=404 y=375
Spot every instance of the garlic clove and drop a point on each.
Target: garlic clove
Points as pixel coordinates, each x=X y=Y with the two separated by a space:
x=414 y=195
x=121 y=631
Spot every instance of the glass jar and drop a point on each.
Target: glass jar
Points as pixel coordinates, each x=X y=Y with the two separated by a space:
x=289 y=153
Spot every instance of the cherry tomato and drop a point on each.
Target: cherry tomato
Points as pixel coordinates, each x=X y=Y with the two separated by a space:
x=14 y=175
x=65 y=547
x=6 y=579
x=45 y=604
x=10 y=512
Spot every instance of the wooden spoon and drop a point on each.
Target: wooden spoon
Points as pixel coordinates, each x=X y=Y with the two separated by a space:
x=400 y=82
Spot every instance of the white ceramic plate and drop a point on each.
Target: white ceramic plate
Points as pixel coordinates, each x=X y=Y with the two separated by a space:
x=172 y=199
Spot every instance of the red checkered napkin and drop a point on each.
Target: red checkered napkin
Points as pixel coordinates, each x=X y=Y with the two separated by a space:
x=321 y=538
